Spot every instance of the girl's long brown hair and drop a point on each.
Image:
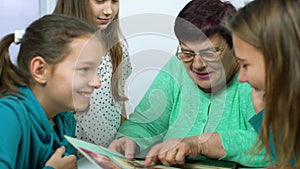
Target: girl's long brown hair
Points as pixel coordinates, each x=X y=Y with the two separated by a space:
x=273 y=27
x=82 y=9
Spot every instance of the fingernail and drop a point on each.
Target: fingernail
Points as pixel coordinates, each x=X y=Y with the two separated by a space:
x=146 y=162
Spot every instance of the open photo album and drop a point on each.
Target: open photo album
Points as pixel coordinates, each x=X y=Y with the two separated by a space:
x=103 y=158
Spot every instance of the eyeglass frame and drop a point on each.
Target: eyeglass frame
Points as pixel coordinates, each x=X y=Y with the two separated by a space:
x=214 y=50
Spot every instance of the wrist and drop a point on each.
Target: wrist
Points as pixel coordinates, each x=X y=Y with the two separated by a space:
x=210 y=145
x=202 y=139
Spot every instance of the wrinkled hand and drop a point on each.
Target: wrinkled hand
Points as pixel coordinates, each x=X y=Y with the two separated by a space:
x=57 y=160
x=258 y=99
x=125 y=146
x=174 y=151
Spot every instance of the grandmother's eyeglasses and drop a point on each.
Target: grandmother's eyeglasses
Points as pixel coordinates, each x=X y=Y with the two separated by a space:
x=209 y=55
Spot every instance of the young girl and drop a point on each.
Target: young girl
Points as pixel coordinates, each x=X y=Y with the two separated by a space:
x=266 y=37
x=107 y=110
x=55 y=72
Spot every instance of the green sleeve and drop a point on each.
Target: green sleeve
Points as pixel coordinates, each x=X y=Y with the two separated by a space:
x=149 y=122
x=239 y=144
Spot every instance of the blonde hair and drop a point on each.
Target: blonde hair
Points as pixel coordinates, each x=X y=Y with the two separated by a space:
x=111 y=36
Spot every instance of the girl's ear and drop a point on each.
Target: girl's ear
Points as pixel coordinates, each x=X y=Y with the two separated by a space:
x=39 y=69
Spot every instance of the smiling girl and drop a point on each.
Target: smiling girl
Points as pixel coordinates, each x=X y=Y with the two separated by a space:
x=107 y=110
x=55 y=72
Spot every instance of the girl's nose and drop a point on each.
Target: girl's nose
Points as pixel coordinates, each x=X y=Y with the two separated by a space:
x=242 y=76
x=96 y=82
x=107 y=8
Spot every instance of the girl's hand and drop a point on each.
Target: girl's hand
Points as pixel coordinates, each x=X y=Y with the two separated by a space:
x=59 y=161
x=125 y=146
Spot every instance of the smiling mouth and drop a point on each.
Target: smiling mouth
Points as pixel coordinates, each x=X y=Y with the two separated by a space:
x=103 y=21
x=203 y=75
x=85 y=95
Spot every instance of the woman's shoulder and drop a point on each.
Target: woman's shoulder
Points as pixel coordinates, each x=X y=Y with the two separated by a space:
x=174 y=65
x=174 y=73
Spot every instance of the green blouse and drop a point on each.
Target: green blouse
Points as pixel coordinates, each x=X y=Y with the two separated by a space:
x=174 y=107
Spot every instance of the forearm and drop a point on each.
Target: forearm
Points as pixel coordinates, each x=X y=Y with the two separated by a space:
x=143 y=134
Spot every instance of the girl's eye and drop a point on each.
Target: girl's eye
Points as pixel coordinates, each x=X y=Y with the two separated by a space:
x=84 y=69
x=244 y=66
x=99 y=1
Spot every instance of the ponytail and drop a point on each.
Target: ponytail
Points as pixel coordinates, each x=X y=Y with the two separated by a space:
x=9 y=76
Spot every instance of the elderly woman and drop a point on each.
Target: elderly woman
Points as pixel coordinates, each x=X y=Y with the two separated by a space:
x=195 y=106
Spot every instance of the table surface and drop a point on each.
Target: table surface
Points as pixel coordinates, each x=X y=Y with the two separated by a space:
x=84 y=163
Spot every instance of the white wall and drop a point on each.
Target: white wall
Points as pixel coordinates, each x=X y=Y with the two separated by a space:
x=148 y=28
x=46 y=6
x=15 y=15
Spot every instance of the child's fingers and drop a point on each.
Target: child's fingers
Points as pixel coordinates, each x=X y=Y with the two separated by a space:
x=70 y=158
x=71 y=161
x=60 y=151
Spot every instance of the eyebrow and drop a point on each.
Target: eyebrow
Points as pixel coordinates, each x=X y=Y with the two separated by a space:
x=208 y=48
x=239 y=59
x=86 y=63
x=186 y=49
